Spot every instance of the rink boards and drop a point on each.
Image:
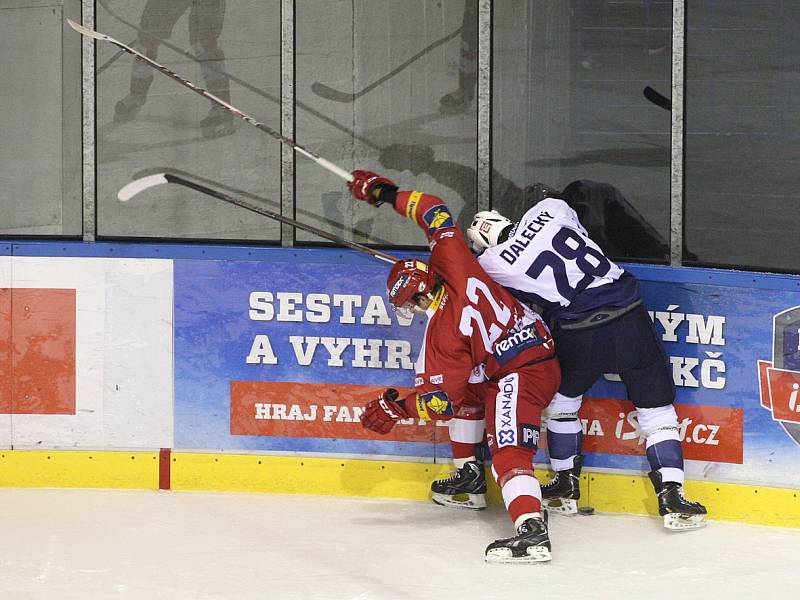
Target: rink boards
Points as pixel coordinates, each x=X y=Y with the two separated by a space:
x=198 y=367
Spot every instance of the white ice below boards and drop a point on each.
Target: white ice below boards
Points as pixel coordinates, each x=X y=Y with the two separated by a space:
x=87 y=544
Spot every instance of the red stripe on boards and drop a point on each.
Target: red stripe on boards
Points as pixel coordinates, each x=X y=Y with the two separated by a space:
x=164 y=463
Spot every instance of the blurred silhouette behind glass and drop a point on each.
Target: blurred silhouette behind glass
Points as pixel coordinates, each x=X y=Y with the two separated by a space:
x=460 y=99
x=205 y=25
x=567 y=105
x=610 y=219
x=378 y=71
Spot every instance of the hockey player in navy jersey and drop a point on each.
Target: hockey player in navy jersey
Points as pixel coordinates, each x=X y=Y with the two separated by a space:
x=600 y=326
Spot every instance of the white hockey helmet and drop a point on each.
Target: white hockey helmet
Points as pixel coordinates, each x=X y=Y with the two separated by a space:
x=486 y=230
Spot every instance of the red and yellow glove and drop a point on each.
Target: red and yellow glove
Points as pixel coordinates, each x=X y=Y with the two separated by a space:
x=366 y=186
x=381 y=414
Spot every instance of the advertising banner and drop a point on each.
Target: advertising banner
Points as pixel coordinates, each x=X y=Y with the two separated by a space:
x=282 y=356
x=37 y=350
x=86 y=352
x=730 y=338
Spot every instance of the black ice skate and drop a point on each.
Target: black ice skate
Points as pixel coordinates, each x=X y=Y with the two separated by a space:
x=465 y=488
x=678 y=512
x=531 y=544
x=455 y=102
x=128 y=108
x=561 y=495
x=219 y=122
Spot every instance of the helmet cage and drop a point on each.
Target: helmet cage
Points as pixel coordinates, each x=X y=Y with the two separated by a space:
x=407 y=280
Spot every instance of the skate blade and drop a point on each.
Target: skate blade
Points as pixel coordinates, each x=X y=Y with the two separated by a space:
x=562 y=506
x=470 y=501
x=210 y=133
x=121 y=118
x=453 y=109
x=682 y=522
x=504 y=556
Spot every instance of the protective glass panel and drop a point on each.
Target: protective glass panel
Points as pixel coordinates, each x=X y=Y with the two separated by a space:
x=40 y=157
x=743 y=125
x=568 y=110
x=388 y=86
x=147 y=122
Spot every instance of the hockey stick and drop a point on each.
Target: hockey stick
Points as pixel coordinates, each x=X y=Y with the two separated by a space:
x=139 y=185
x=236 y=191
x=111 y=60
x=657 y=99
x=323 y=91
x=206 y=94
x=241 y=82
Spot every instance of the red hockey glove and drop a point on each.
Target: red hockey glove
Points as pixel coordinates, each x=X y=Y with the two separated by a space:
x=366 y=186
x=380 y=415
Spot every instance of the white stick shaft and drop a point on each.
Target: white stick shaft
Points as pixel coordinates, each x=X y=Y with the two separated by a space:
x=206 y=94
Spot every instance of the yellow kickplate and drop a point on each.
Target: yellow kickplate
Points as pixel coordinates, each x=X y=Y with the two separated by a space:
x=606 y=492
x=79 y=468
x=759 y=505
x=302 y=475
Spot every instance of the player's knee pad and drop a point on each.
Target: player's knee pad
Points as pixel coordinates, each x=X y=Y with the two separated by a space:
x=563 y=407
x=658 y=424
x=466 y=431
x=512 y=467
x=511 y=461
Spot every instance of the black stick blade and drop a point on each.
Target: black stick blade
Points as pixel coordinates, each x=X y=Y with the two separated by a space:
x=323 y=91
x=657 y=99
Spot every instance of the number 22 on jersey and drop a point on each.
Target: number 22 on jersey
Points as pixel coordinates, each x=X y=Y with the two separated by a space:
x=471 y=314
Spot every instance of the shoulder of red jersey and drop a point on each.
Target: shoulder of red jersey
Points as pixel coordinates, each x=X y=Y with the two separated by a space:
x=429 y=211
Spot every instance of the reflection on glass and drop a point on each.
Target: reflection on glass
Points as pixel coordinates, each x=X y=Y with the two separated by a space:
x=205 y=26
x=40 y=121
x=568 y=106
x=742 y=151
x=388 y=86
x=146 y=121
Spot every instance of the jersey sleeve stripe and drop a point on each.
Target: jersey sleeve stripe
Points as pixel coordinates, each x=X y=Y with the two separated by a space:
x=411 y=206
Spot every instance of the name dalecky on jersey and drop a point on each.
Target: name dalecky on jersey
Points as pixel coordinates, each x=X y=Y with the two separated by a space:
x=512 y=253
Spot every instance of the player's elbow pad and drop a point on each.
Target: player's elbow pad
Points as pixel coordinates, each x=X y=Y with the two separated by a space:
x=431 y=406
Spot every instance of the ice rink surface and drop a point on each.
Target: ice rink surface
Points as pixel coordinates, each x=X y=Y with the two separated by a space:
x=70 y=544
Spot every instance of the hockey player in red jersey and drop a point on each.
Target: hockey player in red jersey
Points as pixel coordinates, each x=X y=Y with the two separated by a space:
x=477 y=333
